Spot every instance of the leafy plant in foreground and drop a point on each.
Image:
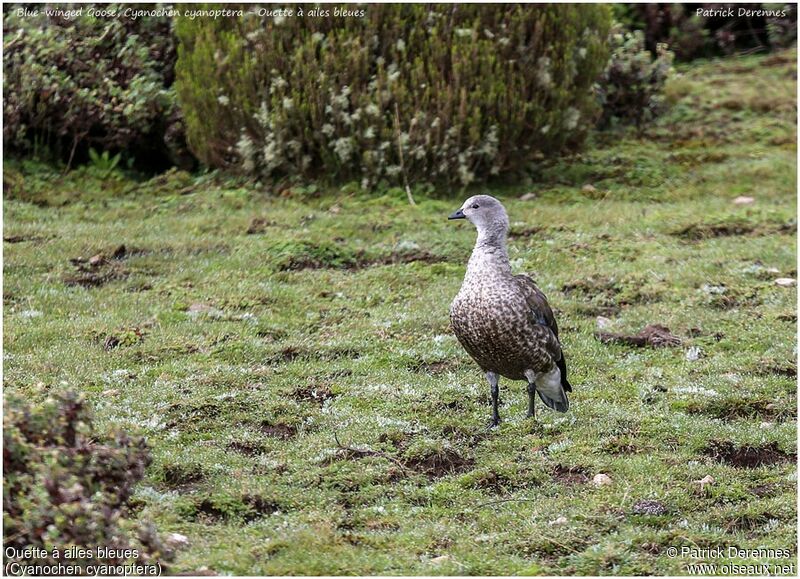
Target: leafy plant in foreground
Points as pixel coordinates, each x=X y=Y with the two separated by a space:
x=67 y=486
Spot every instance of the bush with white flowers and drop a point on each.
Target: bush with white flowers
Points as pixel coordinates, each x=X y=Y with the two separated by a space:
x=436 y=93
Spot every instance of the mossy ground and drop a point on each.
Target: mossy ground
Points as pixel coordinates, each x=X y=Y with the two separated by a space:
x=244 y=357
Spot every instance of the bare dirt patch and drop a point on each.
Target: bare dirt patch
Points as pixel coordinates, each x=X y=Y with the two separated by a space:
x=259 y=225
x=101 y=268
x=95 y=276
x=738 y=408
x=258 y=506
x=278 y=430
x=395 y=258
x=438 y=464
x=303 y=256
x=747 y=456
x=177 y=475
x=570 y=475
x=653 y=335
x=315 y=393
x=734 y=227
x=23 y=238
x=292 y=353
x=209 y=513
x=787 y=368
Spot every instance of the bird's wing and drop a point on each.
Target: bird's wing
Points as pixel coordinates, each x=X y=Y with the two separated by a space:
x=537 y=302
x=543 y=315
x=541 y=312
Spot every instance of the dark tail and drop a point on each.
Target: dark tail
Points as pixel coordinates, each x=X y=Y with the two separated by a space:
x=562 y=366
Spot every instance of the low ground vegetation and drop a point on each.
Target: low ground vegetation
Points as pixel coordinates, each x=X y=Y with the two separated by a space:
x=287 y=353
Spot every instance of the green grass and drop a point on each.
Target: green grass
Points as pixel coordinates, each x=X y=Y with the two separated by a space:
x=243 y=357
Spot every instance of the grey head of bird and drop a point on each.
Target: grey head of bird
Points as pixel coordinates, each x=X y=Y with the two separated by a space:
x=487 y=214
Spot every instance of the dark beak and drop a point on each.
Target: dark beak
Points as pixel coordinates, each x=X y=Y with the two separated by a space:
x=457 y=215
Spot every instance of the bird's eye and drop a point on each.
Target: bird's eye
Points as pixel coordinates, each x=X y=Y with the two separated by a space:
x=475 y=206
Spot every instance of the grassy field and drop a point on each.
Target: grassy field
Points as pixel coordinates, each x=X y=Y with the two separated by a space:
x=288 y=354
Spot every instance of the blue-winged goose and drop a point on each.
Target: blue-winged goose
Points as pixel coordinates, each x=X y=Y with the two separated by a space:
x=503 y=320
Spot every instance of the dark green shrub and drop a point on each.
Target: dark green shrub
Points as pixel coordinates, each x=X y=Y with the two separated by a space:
x=716 y=30
x=447 y=93
x=782 y=28
x=631 y=87
x=65 y=486
x=81 y=83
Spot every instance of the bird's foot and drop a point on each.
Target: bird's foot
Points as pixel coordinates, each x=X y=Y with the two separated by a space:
x=493 y=424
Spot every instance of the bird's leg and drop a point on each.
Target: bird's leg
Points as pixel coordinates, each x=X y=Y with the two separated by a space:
x=494 y=380
x=531 y=400
x=530 y=375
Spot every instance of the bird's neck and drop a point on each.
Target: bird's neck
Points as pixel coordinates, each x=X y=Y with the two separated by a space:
x=490 y=255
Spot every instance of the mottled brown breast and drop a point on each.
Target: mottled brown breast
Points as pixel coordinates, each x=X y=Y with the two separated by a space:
x=494 y=323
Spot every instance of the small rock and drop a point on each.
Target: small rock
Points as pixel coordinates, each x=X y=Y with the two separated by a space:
x=743 y=200
x=528 y=196
x=96 y=260
x=649 y=507
x=706 y=480
x=694 y=353
x=601 y=480
x=603 y=322
x=111 y=392
x=562 y=520
x=177 y=540
x=766 y=425
x=589 y=188
x=335 y=209
x=440 y=559
x=772 y=270
x=28 y=314
x=785 y=282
